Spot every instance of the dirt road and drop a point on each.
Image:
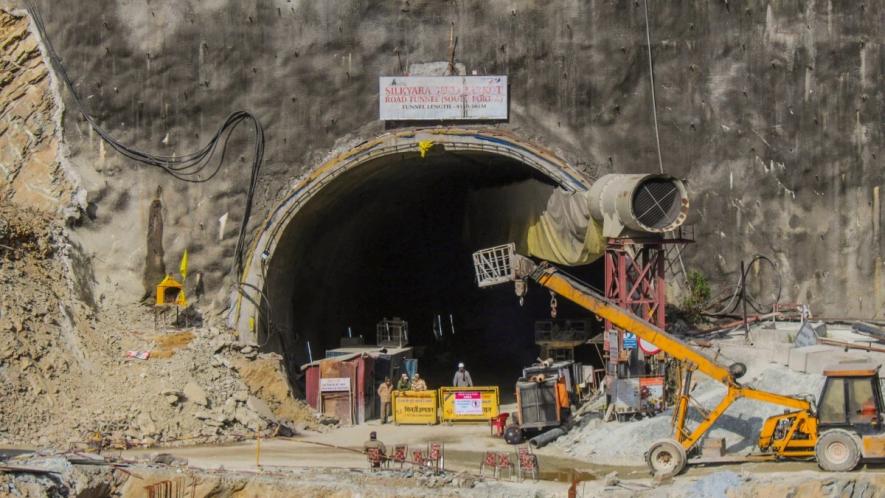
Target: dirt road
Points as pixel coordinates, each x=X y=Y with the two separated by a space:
x=464 y=447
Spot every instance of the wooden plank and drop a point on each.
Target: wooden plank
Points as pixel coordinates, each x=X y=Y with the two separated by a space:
x=26 y=470
x=850 y=345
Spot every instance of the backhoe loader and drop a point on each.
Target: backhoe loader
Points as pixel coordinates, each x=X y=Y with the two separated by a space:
x=844 y=427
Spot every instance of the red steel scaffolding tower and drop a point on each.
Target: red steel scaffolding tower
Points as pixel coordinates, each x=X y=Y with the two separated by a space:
x=635 y=279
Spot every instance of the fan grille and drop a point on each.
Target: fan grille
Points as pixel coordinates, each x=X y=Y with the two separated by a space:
x=656 y=203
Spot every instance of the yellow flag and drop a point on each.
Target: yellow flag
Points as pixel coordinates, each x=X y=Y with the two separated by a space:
x=182 y=268
x=424 y=146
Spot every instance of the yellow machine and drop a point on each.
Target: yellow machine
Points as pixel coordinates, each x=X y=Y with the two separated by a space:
x=842 y=428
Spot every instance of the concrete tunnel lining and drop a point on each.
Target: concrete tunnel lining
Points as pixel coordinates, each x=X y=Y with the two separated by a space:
x=246 y=300
x=460 y=160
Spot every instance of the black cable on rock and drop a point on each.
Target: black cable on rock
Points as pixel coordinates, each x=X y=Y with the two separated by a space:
x=188 y=167
x=735 y=300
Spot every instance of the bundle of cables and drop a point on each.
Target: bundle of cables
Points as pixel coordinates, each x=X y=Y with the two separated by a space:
x=741 y=292
x=191 y=167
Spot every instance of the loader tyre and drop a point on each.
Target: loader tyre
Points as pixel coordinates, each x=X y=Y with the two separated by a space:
x=837 y=450
x=666 y=458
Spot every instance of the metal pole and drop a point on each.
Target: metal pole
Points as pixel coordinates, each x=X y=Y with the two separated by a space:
x=660 y=289
x=651 y=77
x=744 y=302
x=258 y=450
x=625 y=301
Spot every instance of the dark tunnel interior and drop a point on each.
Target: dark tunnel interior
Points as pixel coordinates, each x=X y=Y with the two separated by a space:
x=394 y=238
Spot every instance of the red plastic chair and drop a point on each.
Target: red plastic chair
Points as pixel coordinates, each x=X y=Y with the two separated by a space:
x=504 y=463
x=490 y=459
x=497 y=424
x=528 y=462
x=418 y=458
x=436 y=456
x=399 y=454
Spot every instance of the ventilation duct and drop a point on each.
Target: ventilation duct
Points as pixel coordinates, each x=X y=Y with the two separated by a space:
x=637 y=204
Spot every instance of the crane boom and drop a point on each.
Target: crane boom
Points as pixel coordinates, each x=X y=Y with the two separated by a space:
x=501 y=264
x=575 y=291
x=572 y=289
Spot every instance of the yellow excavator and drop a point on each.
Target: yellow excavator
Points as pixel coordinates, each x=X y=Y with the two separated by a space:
x=844 y=427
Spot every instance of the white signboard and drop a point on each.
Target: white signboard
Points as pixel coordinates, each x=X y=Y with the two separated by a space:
x=468 y=403
x=440 y=98
x=333 y=384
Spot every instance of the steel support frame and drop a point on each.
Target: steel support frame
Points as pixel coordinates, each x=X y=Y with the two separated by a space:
x=634 y=279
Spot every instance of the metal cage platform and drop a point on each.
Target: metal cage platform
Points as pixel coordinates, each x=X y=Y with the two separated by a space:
x=494 y=265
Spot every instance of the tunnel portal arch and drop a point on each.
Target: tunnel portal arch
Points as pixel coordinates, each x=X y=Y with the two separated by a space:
x=249 y=297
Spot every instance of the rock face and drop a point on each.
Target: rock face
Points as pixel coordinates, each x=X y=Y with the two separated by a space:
x=31 y=173
x=772 y=110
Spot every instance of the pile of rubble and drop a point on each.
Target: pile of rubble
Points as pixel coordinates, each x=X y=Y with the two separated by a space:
x=66 y=380
x=54 y=474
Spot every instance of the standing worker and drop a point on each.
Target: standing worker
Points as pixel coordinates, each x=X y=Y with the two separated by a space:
x=563 y=399
x=384 y=395
x=462 y=377
x=418 y=383
x=404 y=384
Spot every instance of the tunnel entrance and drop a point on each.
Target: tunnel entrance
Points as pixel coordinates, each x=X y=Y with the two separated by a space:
x=393 y=238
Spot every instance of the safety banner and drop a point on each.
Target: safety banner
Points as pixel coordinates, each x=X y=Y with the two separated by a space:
x=414 y=407
x=469 y=404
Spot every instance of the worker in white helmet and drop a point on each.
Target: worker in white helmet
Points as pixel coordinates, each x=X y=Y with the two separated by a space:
x=462 y=377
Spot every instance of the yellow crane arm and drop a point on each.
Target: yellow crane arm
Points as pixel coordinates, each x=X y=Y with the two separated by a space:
x=776 y=399
x=557 y=281
x=569 y=288
x=500 y=264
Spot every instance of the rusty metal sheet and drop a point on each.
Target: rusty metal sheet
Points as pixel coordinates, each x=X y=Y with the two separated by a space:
x=339 y=404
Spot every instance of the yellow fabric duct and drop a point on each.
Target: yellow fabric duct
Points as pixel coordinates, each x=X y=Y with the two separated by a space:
x=545 y=222
x=565 y=233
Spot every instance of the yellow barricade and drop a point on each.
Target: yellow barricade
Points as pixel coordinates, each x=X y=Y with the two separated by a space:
x=469 y=404
x=414 y=407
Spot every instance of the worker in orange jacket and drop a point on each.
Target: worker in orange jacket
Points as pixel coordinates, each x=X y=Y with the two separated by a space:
x=563 y=399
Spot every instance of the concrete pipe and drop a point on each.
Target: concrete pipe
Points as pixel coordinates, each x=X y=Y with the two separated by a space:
x=638 y=203
x=546 y=438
